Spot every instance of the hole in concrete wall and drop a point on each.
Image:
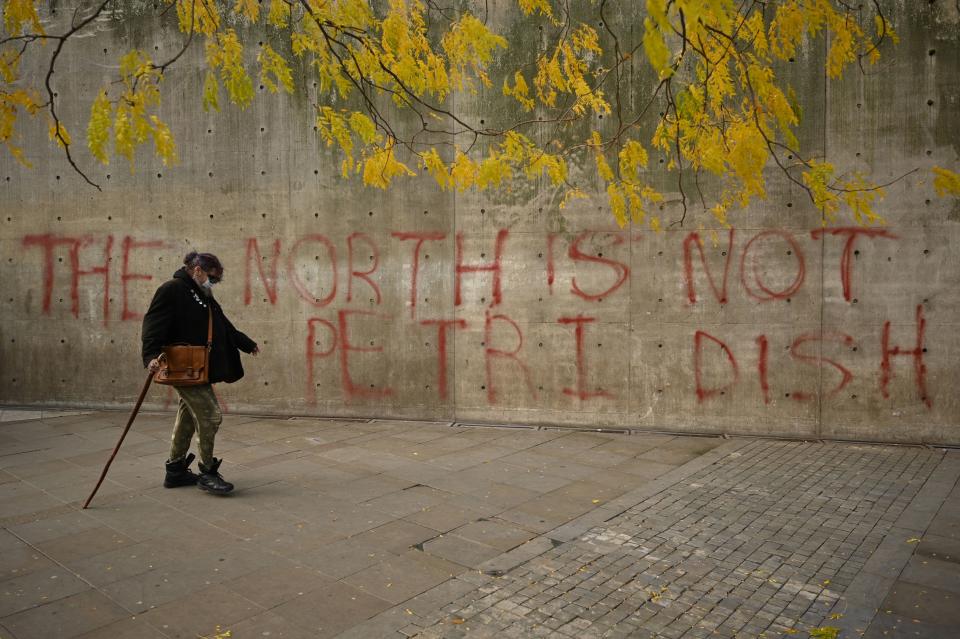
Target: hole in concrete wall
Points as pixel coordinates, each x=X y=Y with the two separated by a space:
x=159 y=175
x=854 y=349
x=659 y=345
x=661 y=253
x=856 y=252
x=159 y=217
x=483 y=300
x=482 y=211
x=483 y=388
x=789 y=205
x=58 y=177
x=108 y=176
x=786 y=394
x=788 y=300
x=370 y=213
x=932 y=52
x=926 y=251
x=858 y=154
x=211 y=216
x=659 y=299
x=723 y=253
x=855 y=300
x=929 y=152
x=540 y=344
x=929 y=102
x=426 y=212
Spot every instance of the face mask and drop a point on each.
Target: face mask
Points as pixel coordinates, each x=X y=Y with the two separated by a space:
x=207 y=285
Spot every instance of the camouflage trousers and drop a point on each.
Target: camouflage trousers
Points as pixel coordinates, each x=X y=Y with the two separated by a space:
x=198 y=413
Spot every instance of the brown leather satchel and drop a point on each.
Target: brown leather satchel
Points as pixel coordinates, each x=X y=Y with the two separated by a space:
x=185 y=364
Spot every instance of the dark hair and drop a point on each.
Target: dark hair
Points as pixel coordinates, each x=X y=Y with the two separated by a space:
x=206 y=261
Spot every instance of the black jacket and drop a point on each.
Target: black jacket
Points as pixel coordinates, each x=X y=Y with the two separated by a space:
x=178 y=314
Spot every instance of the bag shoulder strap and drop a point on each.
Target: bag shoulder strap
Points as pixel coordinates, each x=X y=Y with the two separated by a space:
x=209 y=327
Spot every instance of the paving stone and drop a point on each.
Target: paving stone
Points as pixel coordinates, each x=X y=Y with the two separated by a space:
x=200 y=613
x=455 y=548
x=330 y=610
x=64 y=618
x=400 y=578
x=37 y=588
x=273 y=585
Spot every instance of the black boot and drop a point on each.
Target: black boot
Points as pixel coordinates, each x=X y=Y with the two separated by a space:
x=179 y=473
x=211 y=481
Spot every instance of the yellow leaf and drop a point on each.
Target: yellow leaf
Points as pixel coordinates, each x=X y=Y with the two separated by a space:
x=211 y=92
x=98 y=128
x=279 y=14
x=248 y=8
x=16 y=13
x=946 y=182
x=273 y=64
x=656 y=48
x=381 y=166
x=58 y=133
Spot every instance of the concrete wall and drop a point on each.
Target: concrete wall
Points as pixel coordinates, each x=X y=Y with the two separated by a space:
x=361 y=299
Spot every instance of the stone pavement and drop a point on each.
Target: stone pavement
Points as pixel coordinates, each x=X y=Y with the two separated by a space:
x=379 y=528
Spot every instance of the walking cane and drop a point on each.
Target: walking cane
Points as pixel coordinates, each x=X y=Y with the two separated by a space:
x=133 y=415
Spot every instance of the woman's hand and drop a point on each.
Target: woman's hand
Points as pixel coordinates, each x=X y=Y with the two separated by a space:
x=256 y=350
x=153 y=366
